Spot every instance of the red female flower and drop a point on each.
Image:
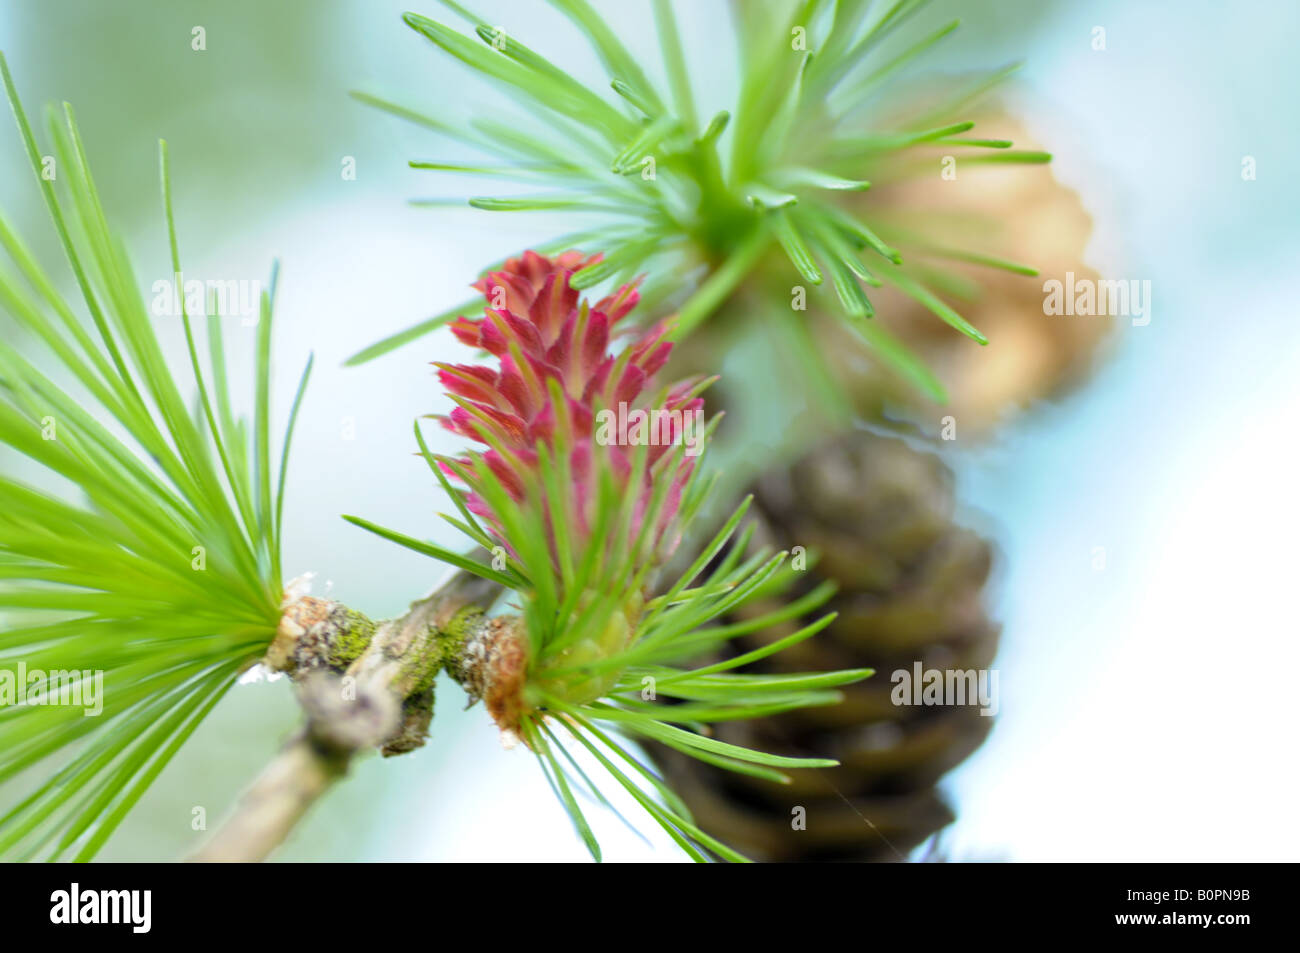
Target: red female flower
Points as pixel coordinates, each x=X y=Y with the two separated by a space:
x=555 y=370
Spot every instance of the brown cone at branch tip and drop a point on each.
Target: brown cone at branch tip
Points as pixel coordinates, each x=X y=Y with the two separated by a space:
x=911 y=583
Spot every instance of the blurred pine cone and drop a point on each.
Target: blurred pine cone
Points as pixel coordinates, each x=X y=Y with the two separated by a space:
x=880 y=515
x=1020 y=213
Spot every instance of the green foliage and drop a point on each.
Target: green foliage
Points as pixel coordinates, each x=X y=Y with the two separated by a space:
x=147 y=552
x=802 y=135
x=604 y=662
x=158 y=571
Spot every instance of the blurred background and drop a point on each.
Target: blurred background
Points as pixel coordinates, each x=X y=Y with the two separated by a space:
x=1146 y=707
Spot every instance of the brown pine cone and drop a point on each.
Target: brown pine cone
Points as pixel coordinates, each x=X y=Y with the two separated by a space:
x=880 y=515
